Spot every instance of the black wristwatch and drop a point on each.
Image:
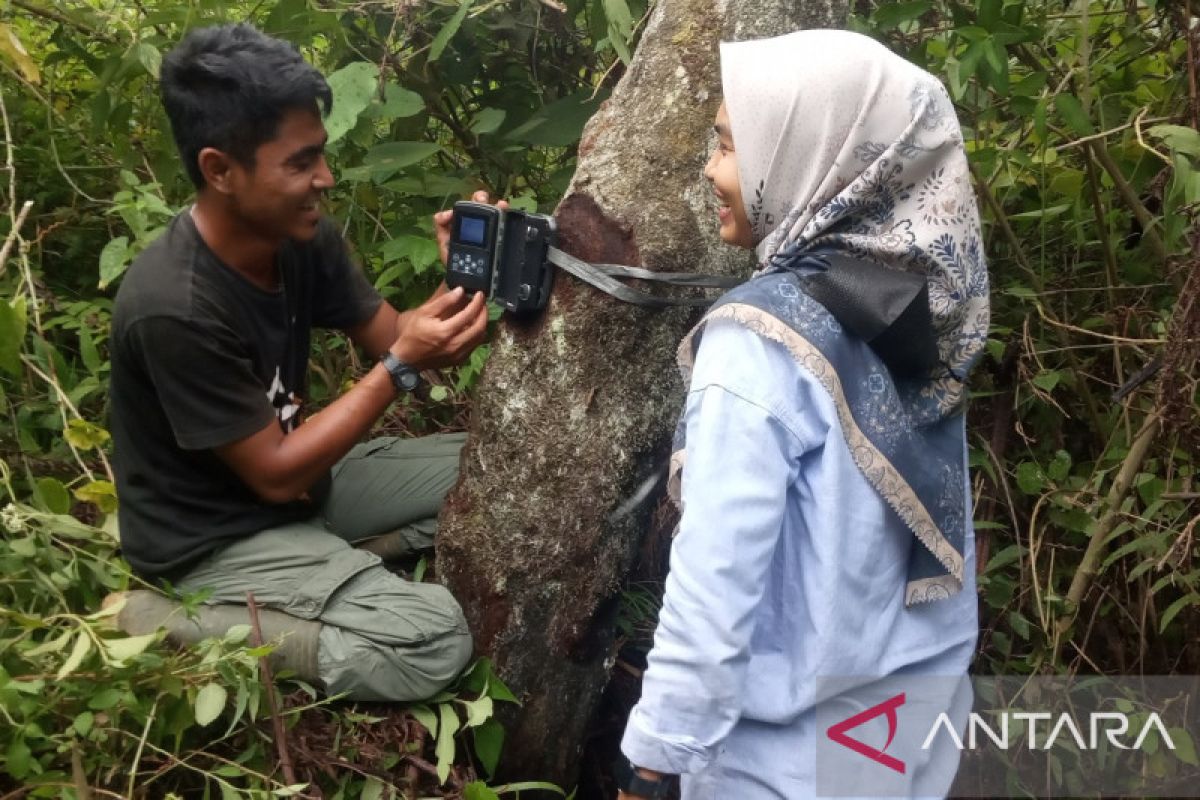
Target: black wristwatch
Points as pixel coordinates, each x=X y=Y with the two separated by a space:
x=405 y=377
x=630 y=782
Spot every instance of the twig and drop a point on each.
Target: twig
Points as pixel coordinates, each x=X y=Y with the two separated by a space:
x=61 y=19
x=12 y=234
x=285 y=757
x=1143 y=216
x=1090 y=563
x=137 y=756
x=1104 y=134
x=1137 y=128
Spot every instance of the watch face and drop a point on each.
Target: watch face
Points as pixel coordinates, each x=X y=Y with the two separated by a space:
x=409 y=380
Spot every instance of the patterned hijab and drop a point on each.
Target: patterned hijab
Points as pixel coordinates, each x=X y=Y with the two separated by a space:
x=851 y=159
x=844 y=146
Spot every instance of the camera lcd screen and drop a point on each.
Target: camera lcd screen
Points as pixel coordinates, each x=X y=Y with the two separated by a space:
x=471 y=230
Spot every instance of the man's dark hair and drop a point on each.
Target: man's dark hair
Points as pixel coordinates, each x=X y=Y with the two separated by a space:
x=228 y=87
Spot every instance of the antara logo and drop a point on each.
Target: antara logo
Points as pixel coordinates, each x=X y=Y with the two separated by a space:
x=838 y=732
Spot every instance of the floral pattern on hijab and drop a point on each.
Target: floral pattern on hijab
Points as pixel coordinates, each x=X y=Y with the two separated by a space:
x=844 y=146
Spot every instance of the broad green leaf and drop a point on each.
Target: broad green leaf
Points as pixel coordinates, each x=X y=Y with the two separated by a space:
x=478 y=710
x=150 y=58
x=18 y=760
x=104 y=699
x=53 y=495
x=83 y=646
x=488 y=120
x=372 y=789
x=479 y=790
x=210 y=701
x=427 y=718
x=102 y=493
x=619 y=17
x=1179 y=138
x=437 y=394
x=448 y=725
x=83 y=722
x=1071 y=110
x=448 y=30
x=420 y=251
x=12 y=334
x=498 y=691
x=893 y=15
x=86 y=435
x=353 y=86
x=384 y=160
x=1185 y=748
x=489 y=739
x=560 y=123
x=114 y=259
x=122 y=649
x=1030 y=478
x=399 y=103
x=236 y=634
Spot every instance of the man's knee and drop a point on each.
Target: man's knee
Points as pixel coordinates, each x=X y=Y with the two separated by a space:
x=363 y=669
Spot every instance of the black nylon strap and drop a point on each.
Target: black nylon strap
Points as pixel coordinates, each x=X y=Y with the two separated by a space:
x=603 y=277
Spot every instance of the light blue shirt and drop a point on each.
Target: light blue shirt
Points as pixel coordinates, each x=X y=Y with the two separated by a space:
x=788 y=566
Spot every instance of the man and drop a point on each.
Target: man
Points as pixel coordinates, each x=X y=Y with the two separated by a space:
x=225 y=487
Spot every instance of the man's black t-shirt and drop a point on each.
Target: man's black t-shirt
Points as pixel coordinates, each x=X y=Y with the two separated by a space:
x=202 y=357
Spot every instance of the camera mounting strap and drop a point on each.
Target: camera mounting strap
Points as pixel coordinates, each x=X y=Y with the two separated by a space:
x=604 y=277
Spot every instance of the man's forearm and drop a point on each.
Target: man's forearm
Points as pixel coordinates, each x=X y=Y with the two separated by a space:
x=295 y=462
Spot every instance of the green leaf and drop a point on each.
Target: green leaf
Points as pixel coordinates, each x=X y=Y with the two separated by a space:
x=444 y=750
x=1179 y=138
x=102 y=493
x=353 y=86
x=50 y=645
x=1185 y=748
x=18 y=760
x=83 y=646
x=85 y=435
x=498 y=691
x=372 y=789
x=104 y=699
x=12 y=48
x=893 y=15
x=399 y=103
x=87 y=351
x=1030 y=478
x=427 y=718
x=384 y=160
x=83 y=722
x=489 y=740
x=122 y=649
x=150 y=58
x=210 y=701
x=420 y=251
x=114 y=259
x=1190 y=599
x=236 y=634
x=438 y=393
x=1060 y=467
x=478 y=711
x=448 y=30
x=12 y=333
x=488 y=120
x=1071 y=110
x=1047 y=380
x=479 y=791
x=560 y=123
x=53 y=495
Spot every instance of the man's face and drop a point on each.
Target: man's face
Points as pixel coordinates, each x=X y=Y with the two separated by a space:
x=722 y=172
x=280 y=196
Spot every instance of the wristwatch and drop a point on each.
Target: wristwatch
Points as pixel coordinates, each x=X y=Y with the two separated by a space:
x=629 y=782
x=405 y=377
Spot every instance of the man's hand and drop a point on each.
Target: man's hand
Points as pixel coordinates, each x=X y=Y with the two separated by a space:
x=441 y=223
x=442 y=331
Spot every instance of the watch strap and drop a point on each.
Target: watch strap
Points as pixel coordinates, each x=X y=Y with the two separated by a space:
x=630 y=782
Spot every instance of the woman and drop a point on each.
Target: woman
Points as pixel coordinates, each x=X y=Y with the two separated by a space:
x=825 y=541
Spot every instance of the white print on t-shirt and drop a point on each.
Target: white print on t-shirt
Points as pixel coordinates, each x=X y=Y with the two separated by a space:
x=287 y=405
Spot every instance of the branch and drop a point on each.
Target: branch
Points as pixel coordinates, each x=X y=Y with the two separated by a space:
x=61 y=19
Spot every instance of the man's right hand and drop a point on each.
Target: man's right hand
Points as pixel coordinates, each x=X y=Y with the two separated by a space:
x=442 y=331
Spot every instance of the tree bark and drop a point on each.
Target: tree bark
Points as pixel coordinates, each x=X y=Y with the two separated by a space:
x=575 y=409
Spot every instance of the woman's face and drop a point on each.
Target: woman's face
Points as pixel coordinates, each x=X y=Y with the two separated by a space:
x=722 y=171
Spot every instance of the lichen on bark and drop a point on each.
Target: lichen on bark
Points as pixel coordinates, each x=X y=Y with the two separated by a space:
x=575 y=408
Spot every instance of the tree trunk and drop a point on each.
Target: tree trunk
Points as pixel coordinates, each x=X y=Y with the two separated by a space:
x=575 y=409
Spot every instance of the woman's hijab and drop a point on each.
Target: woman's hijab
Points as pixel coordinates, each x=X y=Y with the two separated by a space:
x=843 y=146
